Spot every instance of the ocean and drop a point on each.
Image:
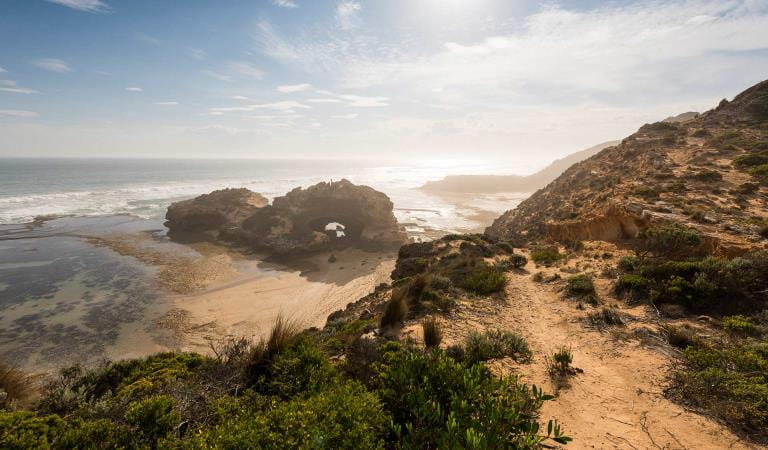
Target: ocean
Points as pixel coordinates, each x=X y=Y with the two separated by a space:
x=65 y=298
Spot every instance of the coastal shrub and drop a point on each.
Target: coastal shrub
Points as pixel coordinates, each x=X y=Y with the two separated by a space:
x=546 y=256
x=729 y=382
x=560 y=362
x=15 y=386
x=680 y=336
x=739 y=324
x=433 y=335
x=515 y=261
x=751 y=160
x=282 y=335
x=606 y=317
x=632 y=284
x=396 y=310
x=485 y=280
x=345 y=416
x=153 y=417
x=493 y=344
x=437 y=402
x=669 y=241
x=579 y=286
x=706 y=175
x=300 y=368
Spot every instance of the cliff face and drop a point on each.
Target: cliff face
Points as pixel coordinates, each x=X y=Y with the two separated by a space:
x=709 y=172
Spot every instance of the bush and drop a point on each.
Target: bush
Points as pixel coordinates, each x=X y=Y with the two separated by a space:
x=560 y=363
x=632 y=284
x=579 y=286
x=346 y=416
x=606 y=316
x=496 y=344
x=739 y=325
x=153 y=417
x=668 y=241
x=437 y=402
x=546 y=256
x=485 y=280
x=729 y=382
x=300 y=368
x=433 y=335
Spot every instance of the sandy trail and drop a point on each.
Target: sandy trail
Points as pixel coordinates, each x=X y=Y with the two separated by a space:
x=618 y=401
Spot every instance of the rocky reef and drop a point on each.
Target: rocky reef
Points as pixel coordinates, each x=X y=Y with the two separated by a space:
x=325 y=216
x=214 y=212
x=321 y=217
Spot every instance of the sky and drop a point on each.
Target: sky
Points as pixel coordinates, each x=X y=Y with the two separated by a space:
x=395 y=79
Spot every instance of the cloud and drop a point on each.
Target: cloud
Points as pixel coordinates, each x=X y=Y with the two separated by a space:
x=240 y=97
x=83 y=5
x=247 y=69
x=166 y=103
x=148 y=39
x=285 y=3
x=134 y=89
x=286 y=107
x=197 y=53
x=17 y=113
x=53 y=65
x=217 y=76
x=12 y=86
x=288 y=88
x=345 y=116
x=2 y=70
x=365 y=102
x=324 y=100
x=347 y=14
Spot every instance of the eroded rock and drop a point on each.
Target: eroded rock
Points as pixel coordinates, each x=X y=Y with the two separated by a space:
x=212 y=213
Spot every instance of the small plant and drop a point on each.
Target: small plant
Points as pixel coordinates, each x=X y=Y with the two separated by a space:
x=15 y=386
x=485 y=280
x=515 y=261
x=495 y=344
x=396 y=310
x=433 y=335
x=680 y=336
x=632 y=284
x=560 y=363
x=739 y=324
x=579 y=286
x=546 y=256
x=606 y=317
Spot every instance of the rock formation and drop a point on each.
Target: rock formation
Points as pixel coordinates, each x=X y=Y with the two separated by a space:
x=708 y=172
x=214 y=212
x=299 y=221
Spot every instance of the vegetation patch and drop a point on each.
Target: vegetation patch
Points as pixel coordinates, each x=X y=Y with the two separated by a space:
x=485 y=280
x=546 y=256
x=494 y=344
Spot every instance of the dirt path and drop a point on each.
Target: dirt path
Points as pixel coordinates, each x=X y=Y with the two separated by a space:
x=618 y=401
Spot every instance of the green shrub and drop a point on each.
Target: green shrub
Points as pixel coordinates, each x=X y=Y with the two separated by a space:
x=485 y=280
x=24 y=430
x=729 y=382
x=579 y=286
x=560 y=363
x=496 y=344
x=739 y=324
x=437 y=402
x=153 y=417
x=606 y=317
x=300 y=368
x=632 y=284
x=433 y=335
x=751 y=160
x=680 y=336
x=668 y=241
x=345 y=416
x=546 y=256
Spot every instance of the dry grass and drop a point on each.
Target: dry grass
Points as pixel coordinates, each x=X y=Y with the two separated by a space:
x=15 y=386
x=433 y=335
x=396 y=310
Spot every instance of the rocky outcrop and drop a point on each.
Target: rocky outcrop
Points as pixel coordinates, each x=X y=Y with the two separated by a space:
x=215 y=212
x=705 y=171
x=325 y=216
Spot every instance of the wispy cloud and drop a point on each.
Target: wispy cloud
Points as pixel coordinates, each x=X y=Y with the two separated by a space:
x=324 y=100
x=148 y=39
x=17 y=113
x=53 y=65
x=12 y=86
x=240 y=97
x=2 y=70
x=285 y=3
x=347 y=14
x=289 y=88
x=166 y=103
x=345 y=116
x=217 y=76
x=134 y=89
x=287 y=107
x=365 y=102
x=247 y=69
x=83 y=5
x=197 y=53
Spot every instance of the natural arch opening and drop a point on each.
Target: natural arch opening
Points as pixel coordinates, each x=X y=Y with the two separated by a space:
x=338 y=228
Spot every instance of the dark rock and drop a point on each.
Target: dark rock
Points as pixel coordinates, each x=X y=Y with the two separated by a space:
x=215 y=212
